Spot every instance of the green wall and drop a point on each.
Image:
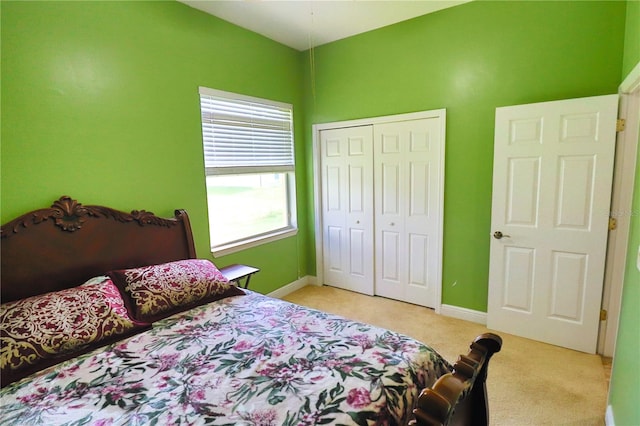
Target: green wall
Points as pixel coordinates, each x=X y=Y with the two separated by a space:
x=471 y=59
x=624 y=393
x=632 y=37
x=100 y=102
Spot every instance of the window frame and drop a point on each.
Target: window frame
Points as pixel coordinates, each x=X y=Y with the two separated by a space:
x=291 y=228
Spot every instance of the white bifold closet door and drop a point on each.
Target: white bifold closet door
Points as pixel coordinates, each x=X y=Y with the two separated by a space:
x=347 y=208
x=382 y=208
x=407 y=207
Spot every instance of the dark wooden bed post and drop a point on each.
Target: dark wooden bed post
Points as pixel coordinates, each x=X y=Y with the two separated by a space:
x=182 y=217
x=460 y=397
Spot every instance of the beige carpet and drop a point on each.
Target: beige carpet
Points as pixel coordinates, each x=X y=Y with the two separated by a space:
x=530 y=383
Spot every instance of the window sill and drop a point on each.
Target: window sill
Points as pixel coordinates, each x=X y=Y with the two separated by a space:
x=254 y=242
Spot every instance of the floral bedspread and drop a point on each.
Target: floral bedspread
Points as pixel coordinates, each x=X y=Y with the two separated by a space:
x=243 y=360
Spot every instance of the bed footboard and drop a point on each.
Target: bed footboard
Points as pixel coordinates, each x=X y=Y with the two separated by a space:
x=460 y=397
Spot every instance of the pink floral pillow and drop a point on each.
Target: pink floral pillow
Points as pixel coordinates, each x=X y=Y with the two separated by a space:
x=157 y=291
x=53 y=325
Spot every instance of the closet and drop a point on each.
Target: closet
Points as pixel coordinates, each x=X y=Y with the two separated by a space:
x=379 y=198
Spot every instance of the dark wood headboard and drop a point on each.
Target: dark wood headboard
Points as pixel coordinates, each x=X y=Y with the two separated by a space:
x=63 y=246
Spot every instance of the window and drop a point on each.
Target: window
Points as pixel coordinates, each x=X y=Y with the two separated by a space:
x=249 y=168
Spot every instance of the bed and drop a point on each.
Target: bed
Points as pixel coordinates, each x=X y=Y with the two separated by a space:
x=110 y=318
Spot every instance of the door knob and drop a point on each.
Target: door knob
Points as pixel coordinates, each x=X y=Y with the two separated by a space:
x=498 y=235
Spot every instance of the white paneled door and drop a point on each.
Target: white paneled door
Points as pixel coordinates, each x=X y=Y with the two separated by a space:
x=552 y=175
x=408 y=205
x=347 y=208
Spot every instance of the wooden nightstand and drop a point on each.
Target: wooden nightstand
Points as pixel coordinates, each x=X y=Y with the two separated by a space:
x=235 y=273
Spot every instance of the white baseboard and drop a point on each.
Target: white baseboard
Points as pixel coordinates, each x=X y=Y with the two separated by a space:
x=608 y=418
x=291 y=287
x=446 y=310
x=464 y=314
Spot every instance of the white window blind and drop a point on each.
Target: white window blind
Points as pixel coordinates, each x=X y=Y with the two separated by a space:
x=242 y=134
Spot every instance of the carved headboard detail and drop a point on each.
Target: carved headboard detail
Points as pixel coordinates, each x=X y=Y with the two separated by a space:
x=41 y=255
x=69 y=215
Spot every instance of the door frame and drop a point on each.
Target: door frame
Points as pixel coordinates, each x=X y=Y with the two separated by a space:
x=317 y=182
x=627 y=143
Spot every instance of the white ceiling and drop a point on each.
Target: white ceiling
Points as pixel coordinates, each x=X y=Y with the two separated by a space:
x=302 y=24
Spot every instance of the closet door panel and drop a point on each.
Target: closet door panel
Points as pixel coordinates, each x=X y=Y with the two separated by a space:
x=416 y=223
x=418 y=189
x=390 y=258
x=334 y=249
x=418 y=268
x=334 y=192
x=389 y=179
x=357 y=251
x=347 y=208
x=390 y=190
x=356 y=190
x=412 y=149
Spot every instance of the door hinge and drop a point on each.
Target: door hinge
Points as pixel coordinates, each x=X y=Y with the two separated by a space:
x=613 y=223
x=603 y=314
x=620 y=124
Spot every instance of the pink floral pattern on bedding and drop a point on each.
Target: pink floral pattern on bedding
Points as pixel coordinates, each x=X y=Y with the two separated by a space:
x=249 y=360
